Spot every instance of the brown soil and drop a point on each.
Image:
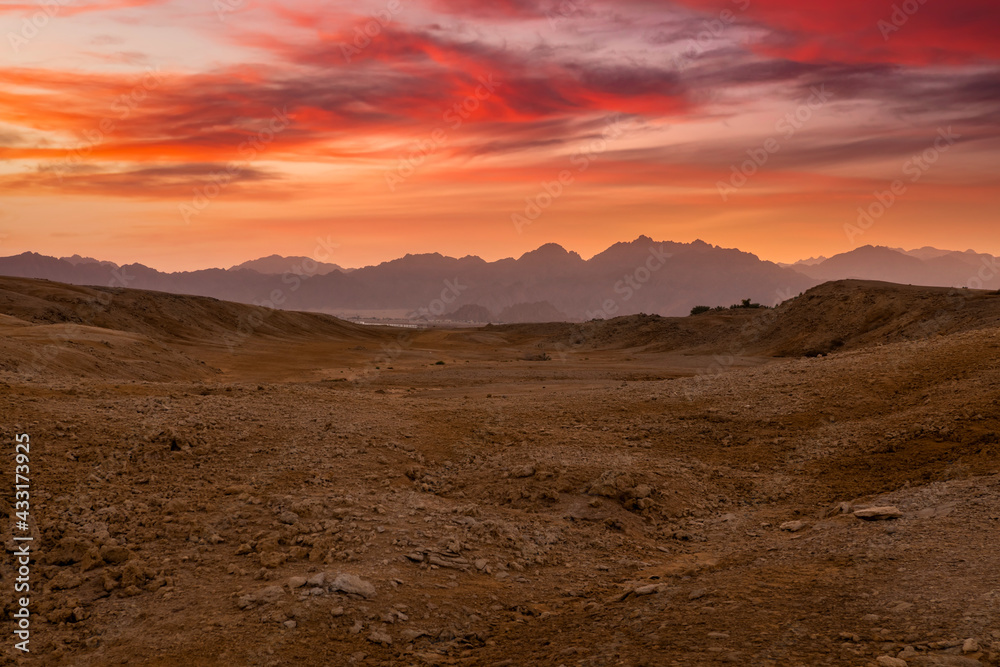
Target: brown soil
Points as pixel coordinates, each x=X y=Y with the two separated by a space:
x=619 y=504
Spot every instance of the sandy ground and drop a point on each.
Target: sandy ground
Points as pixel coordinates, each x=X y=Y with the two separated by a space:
x=324 y=494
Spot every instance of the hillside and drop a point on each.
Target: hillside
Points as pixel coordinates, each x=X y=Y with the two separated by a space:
x=852 y=314
x=153 y=335
x=124 y=333
x=637 y=491
x=840 y=315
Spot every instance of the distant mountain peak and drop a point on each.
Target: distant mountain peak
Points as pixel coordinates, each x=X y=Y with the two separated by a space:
x=278 y=265
x=929 y=267
x=548 y=249
x=76 y=260
x=550 y=252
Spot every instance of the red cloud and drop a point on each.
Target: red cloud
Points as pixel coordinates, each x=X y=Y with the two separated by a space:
x=368 y=98
x=907 y=32
x=443 y=72
x=399 y=89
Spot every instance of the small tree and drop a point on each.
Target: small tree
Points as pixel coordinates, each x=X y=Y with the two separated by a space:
x=747 y=303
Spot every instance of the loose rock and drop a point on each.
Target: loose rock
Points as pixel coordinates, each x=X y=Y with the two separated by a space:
x=889 y=661
x=879 y=513
x=378 y=637
x=349 y=583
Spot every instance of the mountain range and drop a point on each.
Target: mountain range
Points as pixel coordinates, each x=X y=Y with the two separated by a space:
x=549 y=283
x=925 y=266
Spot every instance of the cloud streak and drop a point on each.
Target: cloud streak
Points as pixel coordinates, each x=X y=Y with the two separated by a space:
x=700 y=82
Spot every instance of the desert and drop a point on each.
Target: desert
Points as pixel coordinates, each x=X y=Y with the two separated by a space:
x=812 y=484
x=500 y=333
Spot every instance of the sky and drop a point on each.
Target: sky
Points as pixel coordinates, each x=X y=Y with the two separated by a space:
x=187 y=135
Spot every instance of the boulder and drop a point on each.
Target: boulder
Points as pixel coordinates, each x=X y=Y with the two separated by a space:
x=883 y=513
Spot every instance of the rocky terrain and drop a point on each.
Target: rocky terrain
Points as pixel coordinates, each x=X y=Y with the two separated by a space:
x=214 y=484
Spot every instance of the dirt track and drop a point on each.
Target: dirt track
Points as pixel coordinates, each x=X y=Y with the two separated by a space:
x=611 y=506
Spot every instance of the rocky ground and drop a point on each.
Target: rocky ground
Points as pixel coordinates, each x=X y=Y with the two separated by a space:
x=604 y=507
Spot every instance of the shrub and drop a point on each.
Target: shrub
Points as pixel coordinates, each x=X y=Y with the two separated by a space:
x=698 y=310
x=747 y=303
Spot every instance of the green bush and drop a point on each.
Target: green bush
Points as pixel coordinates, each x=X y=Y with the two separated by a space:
x=698 y=310
x=747 y=303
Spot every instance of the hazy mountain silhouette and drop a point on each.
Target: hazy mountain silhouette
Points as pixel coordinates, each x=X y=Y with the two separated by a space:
x=77 y=259
x=277 y=265
x=641 y=276
x=926 y=266
x=812 y=261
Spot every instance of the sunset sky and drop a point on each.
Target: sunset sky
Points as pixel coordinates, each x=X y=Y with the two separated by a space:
x=193 y=134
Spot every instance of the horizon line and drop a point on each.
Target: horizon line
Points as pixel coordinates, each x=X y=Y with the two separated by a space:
x=821 y=256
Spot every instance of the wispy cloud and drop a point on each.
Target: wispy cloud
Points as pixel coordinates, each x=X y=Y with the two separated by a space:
x=700 y=81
